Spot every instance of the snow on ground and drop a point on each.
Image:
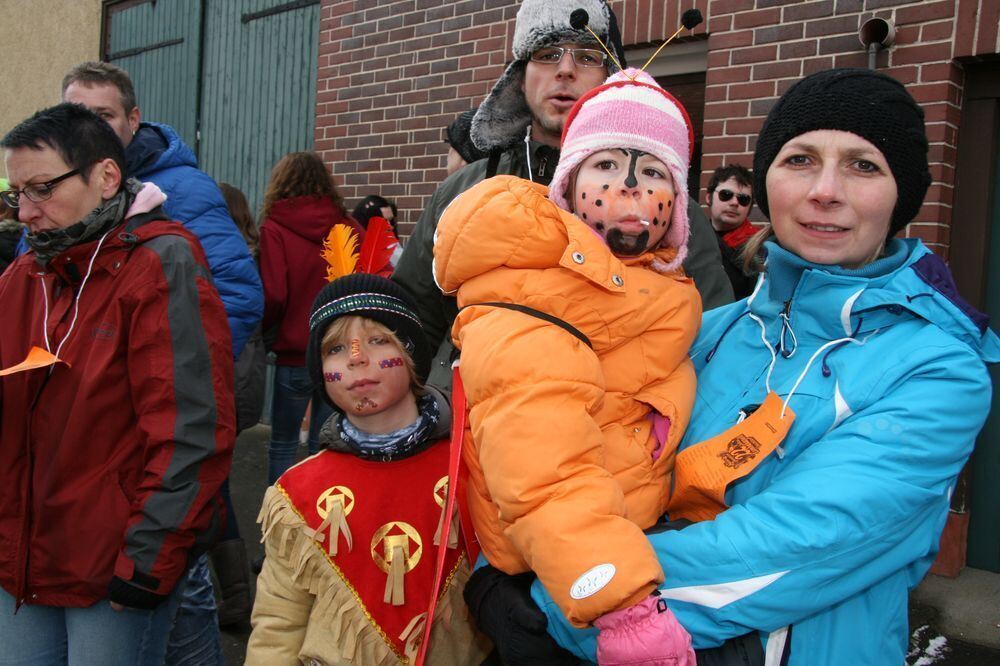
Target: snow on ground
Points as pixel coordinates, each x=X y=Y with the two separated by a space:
x=926 y=648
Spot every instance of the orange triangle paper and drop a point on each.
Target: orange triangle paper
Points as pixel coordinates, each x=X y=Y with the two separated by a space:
x=36 y=358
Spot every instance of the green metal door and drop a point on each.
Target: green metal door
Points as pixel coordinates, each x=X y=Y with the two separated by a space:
x=259 y=89
x=159 y=44
x=235 y=78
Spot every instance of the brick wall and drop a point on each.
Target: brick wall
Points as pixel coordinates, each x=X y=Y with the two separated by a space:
x=394 y=73
x=392 y=76
x=758 y=49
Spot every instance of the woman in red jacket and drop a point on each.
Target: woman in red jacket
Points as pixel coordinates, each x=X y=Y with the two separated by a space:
x=300 y=207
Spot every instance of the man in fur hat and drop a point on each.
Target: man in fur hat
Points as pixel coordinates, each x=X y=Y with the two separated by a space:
x=519 y=125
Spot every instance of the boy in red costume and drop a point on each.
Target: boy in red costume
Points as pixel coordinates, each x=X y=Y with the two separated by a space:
x=351 y=533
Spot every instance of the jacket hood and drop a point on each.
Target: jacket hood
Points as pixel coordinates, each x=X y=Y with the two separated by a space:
x=309 y=217
x=509 y=222
x=155 y=147
x=909 y=281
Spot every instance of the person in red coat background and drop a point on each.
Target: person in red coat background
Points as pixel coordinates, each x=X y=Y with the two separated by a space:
x=300 y=207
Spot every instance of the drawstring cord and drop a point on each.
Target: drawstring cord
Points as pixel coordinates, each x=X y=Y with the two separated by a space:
x=786 y=325
x=718 y=342
x=76 y=305
x=763 y=333
x=760 y=281
x=795 y=386
x=826 y=368
x=527 y=152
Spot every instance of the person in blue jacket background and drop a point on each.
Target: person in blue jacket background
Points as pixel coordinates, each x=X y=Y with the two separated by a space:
x=866 y=339
x=155 y=153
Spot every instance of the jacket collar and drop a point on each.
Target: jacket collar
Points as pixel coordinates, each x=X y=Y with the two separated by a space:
x=830 y=302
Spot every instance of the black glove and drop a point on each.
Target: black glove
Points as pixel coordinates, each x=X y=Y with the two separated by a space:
x=504 y=610
x=133 y=596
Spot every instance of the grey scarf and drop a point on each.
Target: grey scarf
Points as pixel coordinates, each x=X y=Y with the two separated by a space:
x=49 y=244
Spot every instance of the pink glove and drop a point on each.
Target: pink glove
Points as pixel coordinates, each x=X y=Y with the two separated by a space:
x=646 y=633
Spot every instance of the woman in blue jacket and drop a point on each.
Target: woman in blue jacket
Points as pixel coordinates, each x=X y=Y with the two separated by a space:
x=864 y=338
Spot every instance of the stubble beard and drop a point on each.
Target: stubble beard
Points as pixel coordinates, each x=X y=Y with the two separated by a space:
x=544 y=126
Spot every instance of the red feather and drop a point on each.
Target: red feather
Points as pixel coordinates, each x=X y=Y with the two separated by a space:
x=378 y=246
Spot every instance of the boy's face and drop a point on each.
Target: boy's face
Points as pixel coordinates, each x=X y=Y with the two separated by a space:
x=627 y=197
x=364 y=372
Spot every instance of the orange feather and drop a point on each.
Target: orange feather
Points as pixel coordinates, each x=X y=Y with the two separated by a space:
x=340 y=249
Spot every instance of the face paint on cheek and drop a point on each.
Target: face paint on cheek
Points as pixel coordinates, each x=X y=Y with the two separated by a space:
x=365 y=403
x=387 y=363
x=332 y=376
x=585 y=204
x=355 y=348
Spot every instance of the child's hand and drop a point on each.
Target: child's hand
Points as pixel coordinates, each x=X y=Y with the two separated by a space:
x=646 y=633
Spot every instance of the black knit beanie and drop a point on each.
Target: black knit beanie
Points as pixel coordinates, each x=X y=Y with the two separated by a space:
x=374 y=297
x=872 y=105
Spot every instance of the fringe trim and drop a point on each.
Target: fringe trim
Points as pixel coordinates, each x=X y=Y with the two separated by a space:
x=351 y=633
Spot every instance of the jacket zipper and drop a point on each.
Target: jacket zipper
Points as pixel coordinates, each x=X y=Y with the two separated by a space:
x=24 y=547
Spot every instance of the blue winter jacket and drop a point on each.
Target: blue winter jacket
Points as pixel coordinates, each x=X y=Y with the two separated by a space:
x=885 y=368
x=157 y=154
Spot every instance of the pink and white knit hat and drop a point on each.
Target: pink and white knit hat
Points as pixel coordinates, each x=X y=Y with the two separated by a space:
x=638 y=114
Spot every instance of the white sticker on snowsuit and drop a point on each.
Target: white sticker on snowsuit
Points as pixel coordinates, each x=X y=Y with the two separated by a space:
x=592 y=581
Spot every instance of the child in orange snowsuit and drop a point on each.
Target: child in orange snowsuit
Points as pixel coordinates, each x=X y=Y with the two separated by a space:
x=576 y=323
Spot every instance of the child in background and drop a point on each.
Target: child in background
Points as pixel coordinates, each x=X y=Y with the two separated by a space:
x=350 y=532
x=570 y=447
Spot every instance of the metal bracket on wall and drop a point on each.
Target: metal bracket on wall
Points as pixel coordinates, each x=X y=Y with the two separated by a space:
x=279 y=9
x=125 y=53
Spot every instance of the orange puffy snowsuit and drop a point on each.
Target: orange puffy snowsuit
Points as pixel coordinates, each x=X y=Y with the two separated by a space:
x=560 y=445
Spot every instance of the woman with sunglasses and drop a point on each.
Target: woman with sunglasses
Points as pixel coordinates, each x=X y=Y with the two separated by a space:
x=837 y=404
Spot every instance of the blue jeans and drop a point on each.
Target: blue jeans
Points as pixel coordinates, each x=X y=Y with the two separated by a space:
x=292 y=391
x=195 y=639
x=98 y=635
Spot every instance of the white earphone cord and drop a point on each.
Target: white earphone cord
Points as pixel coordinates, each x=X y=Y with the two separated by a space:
x=527 y=151
x=76 y=305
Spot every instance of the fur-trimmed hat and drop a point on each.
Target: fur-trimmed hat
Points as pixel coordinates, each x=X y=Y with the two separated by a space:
x=504 y=115
x=639 y=114
x=373 y=297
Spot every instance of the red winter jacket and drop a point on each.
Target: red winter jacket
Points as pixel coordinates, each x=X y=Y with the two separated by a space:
x=293 y=270
x=112 y=462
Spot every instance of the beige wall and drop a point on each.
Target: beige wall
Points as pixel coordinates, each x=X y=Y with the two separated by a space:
x=41 y=40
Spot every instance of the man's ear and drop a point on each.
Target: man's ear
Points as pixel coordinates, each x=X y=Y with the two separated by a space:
x=708 y=198
x=134 y=118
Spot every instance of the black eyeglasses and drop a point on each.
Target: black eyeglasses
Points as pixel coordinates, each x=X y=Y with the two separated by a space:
x=36 y=192
x=741 y=199
x=553 y=55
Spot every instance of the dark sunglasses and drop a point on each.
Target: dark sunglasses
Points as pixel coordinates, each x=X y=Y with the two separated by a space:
x=741 y=199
